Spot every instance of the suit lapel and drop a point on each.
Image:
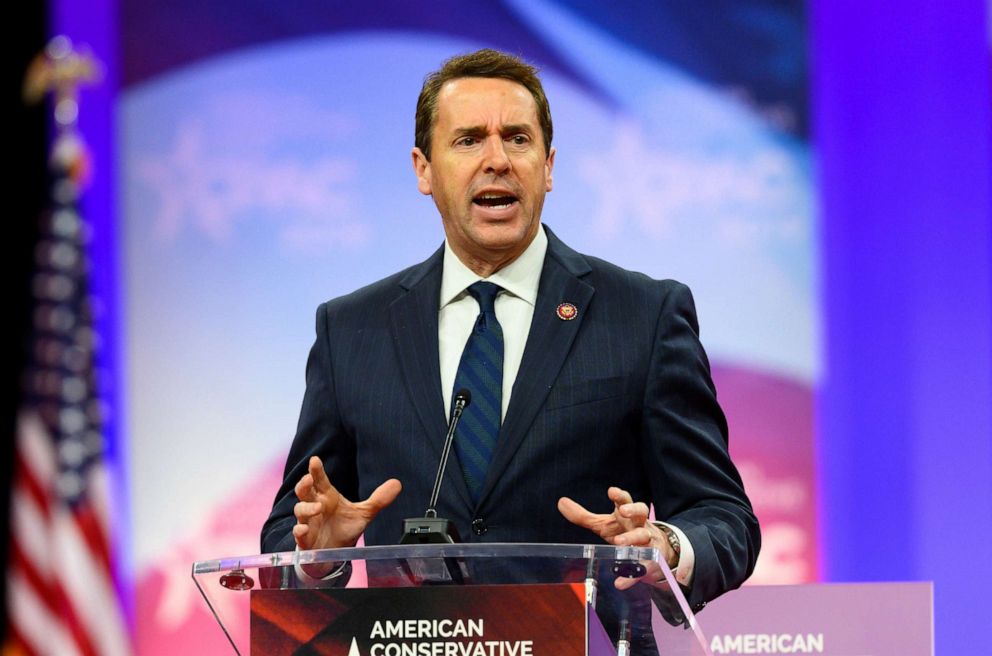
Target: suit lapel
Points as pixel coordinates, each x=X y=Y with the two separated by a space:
x=413 y=322
x=548 y=345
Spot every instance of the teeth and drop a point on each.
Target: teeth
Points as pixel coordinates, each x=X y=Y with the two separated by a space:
x=495 y=200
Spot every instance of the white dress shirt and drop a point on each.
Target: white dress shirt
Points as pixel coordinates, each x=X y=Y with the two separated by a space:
x=514 y=311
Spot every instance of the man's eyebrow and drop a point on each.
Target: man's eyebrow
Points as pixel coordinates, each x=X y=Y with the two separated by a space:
x=481 y=130
x=517 y=128
x=470 y=131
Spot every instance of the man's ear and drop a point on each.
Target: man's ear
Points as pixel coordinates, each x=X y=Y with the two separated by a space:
x=422 y=169
x=549 y=166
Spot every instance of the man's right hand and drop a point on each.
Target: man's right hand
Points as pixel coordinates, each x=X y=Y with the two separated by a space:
x=327 y=520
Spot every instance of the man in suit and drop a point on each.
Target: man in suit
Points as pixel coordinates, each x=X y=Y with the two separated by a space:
x=592 y=394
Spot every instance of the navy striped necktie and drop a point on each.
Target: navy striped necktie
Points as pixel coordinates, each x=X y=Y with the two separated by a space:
x=480 y=371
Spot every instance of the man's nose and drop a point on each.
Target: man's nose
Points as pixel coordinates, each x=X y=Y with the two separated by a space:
x=494 y=155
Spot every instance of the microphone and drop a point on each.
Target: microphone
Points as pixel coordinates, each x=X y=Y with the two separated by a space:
x=431 y=529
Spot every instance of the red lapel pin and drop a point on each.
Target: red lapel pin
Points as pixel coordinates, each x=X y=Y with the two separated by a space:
x=567 y=311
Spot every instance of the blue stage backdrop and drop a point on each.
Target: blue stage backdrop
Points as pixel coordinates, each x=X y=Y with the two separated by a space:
x=265 y=168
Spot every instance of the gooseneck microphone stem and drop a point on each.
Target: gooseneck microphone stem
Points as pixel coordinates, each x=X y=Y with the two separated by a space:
x=431 y=529
x=462 y=398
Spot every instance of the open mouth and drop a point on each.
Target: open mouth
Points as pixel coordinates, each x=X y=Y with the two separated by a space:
x=495 y=201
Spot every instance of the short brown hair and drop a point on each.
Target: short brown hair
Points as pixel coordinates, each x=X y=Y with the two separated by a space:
x=481 y=63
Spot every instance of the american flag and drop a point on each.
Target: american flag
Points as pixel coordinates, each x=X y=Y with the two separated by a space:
x=62 y=596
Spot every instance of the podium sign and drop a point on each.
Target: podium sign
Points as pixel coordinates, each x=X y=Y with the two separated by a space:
x=499 y=620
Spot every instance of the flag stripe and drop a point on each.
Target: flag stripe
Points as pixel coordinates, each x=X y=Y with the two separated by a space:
x=47 y=631
x=33 y=578
x=92 y=534
x=38 y=631
x=90 y=589
x=29 y=529
x=35 y=557
x=32 y=480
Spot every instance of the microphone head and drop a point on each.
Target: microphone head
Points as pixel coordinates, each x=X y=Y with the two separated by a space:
x=464 y=396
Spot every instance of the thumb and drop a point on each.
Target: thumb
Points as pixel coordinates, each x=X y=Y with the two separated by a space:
x=382 y=496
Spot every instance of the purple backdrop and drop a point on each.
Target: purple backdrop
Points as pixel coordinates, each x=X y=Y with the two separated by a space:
x=901 y=123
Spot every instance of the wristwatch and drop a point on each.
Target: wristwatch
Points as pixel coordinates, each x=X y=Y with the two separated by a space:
x=673 y=542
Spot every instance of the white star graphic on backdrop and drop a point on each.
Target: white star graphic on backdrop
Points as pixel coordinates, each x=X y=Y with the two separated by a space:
x=314 y=202
x=625 y=179
x=743 y=197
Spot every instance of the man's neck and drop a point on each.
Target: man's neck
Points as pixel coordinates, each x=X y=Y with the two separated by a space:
x=519 y=277
x=484 y=266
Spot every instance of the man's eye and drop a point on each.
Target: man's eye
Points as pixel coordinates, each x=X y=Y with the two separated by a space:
x=467 y=141
x=519 y=139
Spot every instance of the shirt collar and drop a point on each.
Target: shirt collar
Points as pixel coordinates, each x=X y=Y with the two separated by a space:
x=520 y=277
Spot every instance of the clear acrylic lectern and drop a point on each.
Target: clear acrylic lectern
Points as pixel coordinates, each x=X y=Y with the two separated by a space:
x=452 y=600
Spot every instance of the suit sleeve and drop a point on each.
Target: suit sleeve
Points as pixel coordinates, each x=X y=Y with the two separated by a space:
x=695 y=486
x=319 y=432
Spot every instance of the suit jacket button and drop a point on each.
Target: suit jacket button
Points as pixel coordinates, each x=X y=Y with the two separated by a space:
x=479 y=526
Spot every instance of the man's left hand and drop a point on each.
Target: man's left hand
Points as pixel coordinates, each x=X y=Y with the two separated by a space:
x=627 y=525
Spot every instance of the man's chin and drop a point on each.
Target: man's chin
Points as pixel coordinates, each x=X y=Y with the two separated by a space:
x=504 y=237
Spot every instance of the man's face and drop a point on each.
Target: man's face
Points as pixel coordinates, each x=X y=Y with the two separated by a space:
x=489 y=172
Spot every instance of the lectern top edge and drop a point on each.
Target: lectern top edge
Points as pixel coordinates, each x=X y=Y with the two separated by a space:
x=392 y=552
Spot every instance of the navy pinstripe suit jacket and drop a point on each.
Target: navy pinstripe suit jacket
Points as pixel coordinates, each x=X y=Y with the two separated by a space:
x=621 y=395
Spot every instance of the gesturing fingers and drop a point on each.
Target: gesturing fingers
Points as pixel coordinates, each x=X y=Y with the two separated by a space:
x=314 y=482
x=304 y=488
x=635 y=513
x=315 y=486
x=325 y=518
x=624 y=504
x=300 y=531
x=619 y=496
x=638 y=537
x=306 y=510
x=317 y=474
x=306 y=513
x=605 y=526
x=626 y=525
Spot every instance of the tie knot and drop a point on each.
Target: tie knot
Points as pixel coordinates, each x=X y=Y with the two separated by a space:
x=485 y=293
